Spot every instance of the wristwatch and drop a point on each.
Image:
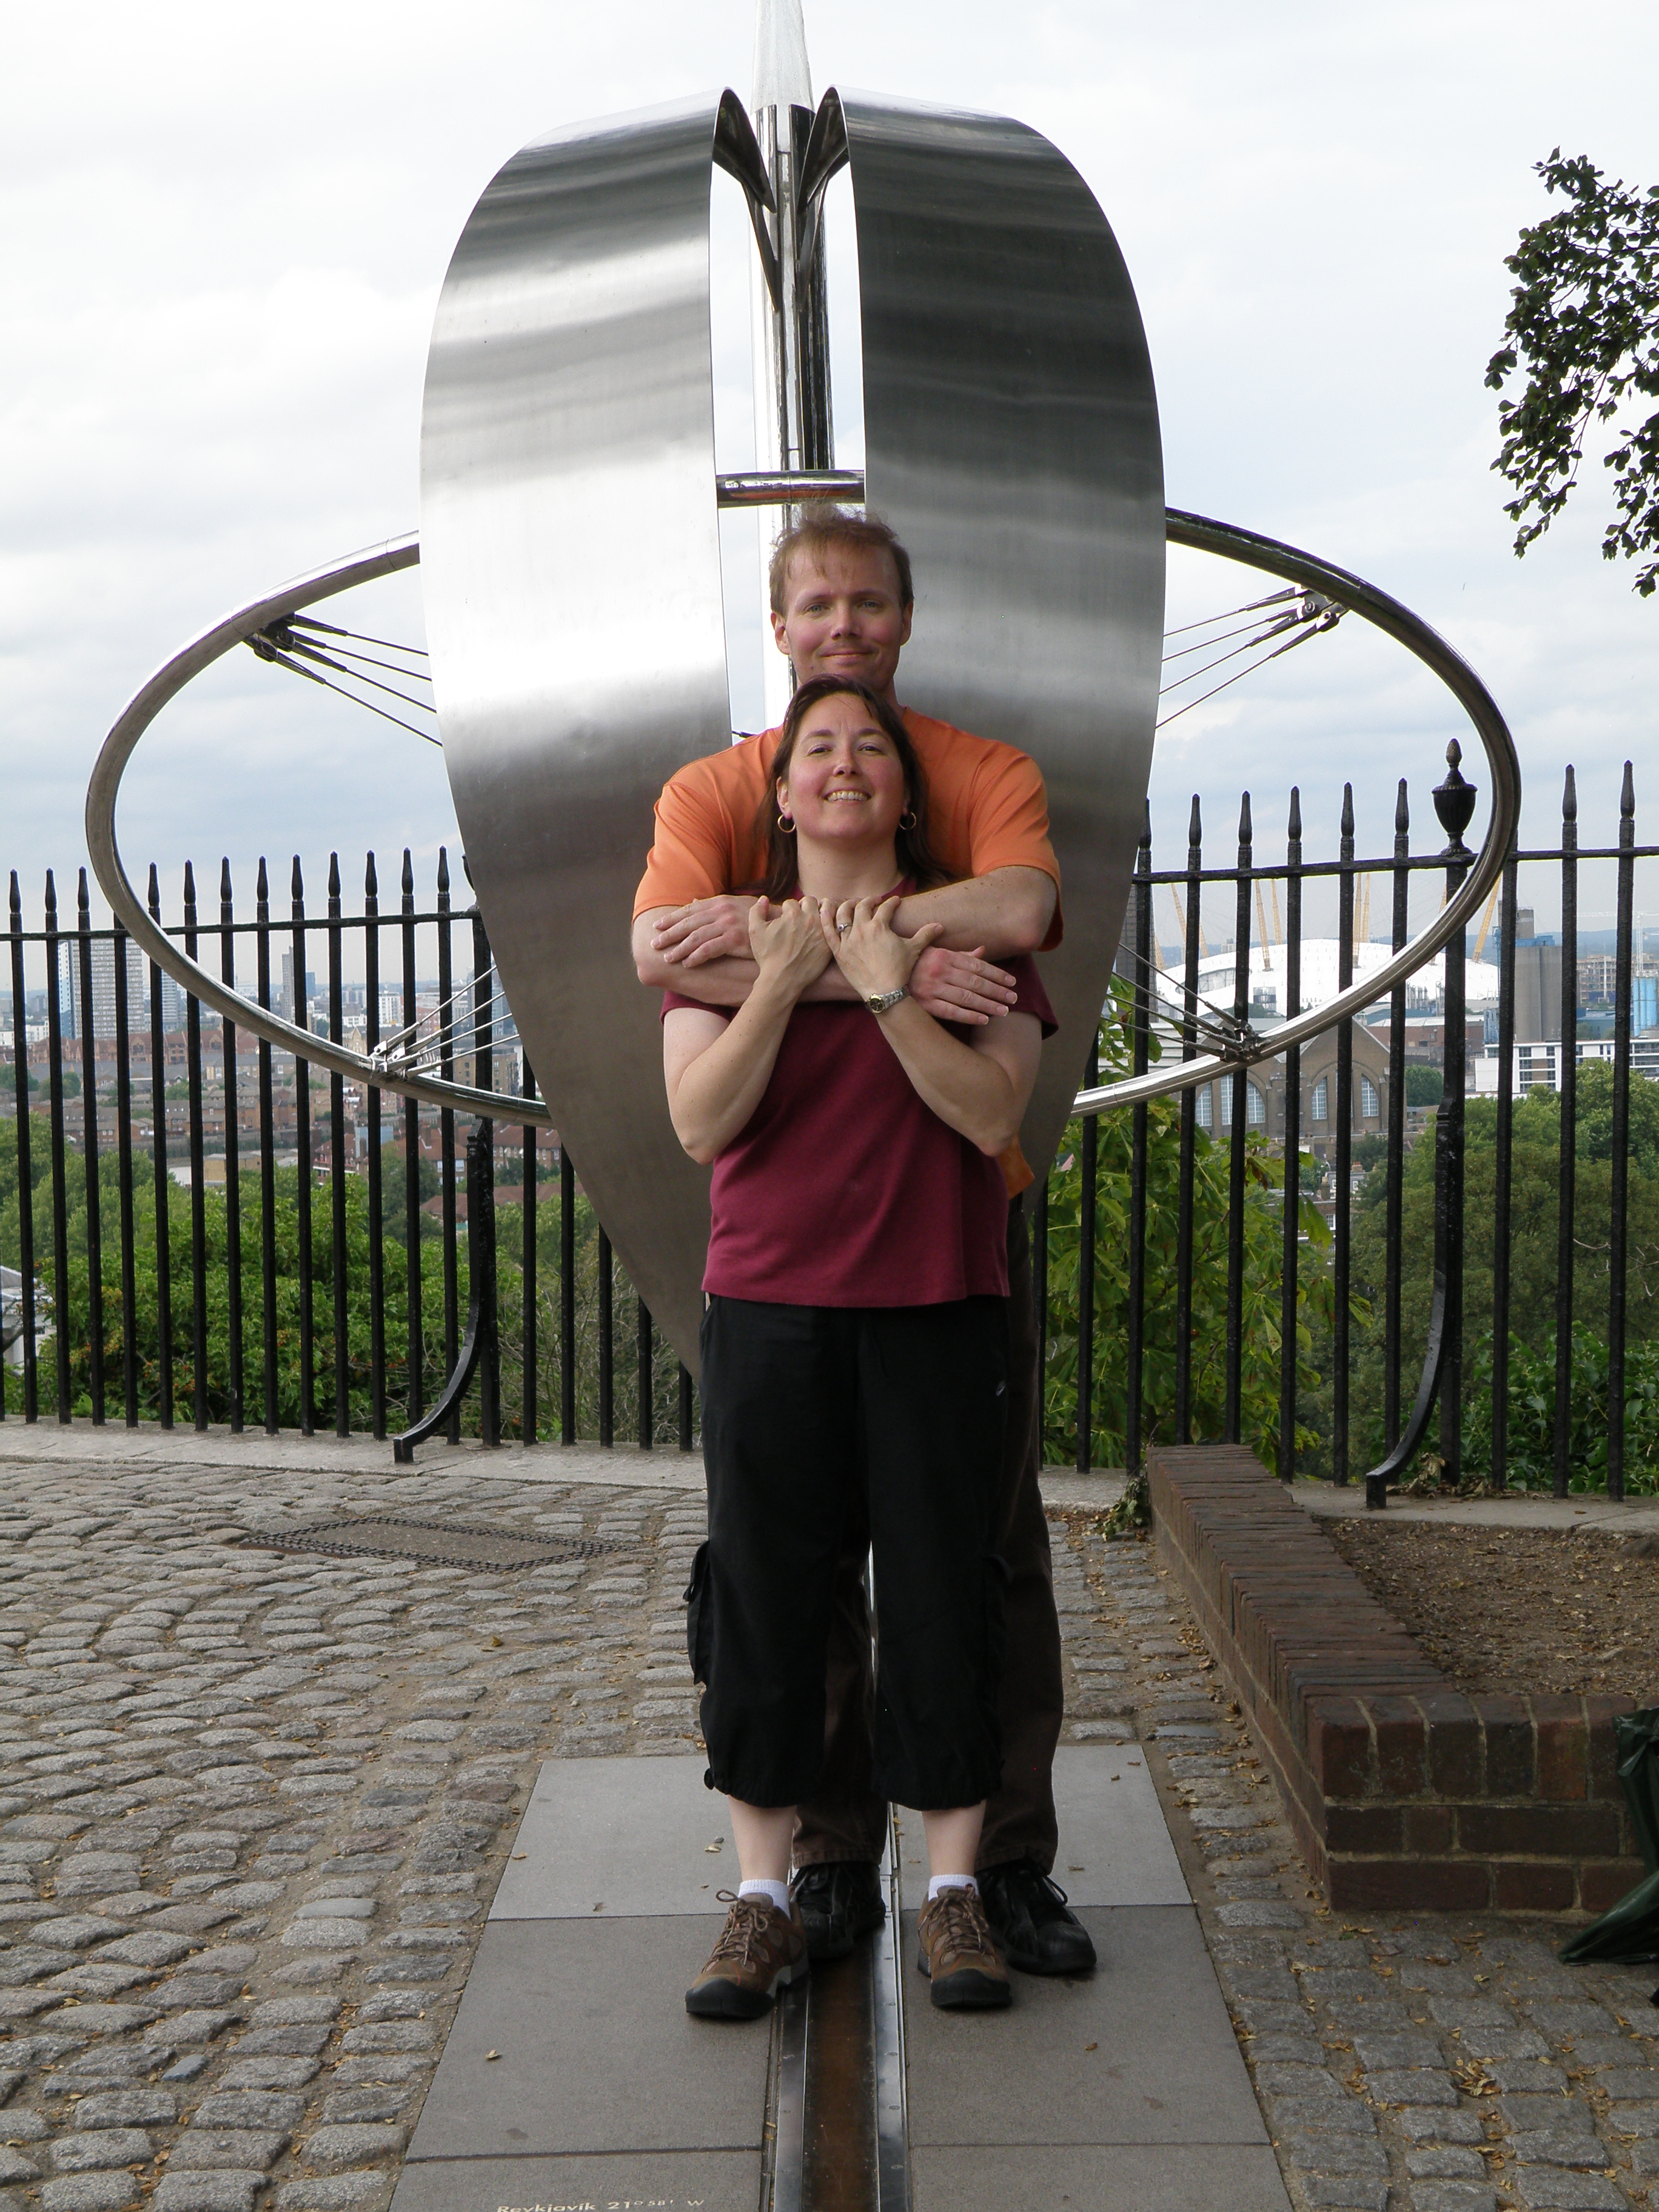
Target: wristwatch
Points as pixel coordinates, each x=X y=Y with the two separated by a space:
x=879 y=1004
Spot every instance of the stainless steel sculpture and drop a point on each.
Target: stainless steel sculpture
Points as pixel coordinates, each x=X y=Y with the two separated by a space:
x=1011 y=436
x=1012 y=440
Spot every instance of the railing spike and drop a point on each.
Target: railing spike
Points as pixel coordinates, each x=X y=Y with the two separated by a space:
x=443 y=868
x=190 y=887
x=262 y=889
x=408 y=886
x=296 y=881
x=1244 y=831
x=1294 y=826
x=1348 y=810
x=83 y=903
x=1403 y=813
x=1569 y=796
x=371 y=883
x=1195 y=824
x=334 y=875
x=1626 y=798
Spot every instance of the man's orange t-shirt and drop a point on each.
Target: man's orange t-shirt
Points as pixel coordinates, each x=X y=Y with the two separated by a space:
x=987 y=809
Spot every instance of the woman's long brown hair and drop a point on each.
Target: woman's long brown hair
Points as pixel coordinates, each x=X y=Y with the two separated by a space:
x=917 y=860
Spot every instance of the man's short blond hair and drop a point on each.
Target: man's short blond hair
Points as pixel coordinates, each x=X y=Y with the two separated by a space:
x=819 y=525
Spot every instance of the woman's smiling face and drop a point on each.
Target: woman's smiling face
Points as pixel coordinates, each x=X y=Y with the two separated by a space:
x=845 y=783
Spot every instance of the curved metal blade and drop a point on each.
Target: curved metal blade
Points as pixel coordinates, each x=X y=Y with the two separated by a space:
x=571 y=566
x=1012 y=441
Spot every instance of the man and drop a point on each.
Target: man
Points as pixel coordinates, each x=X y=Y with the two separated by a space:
x=842 y=605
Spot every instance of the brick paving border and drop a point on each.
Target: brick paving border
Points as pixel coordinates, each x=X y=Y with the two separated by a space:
x=1404 y=2061
x=1400 y=1790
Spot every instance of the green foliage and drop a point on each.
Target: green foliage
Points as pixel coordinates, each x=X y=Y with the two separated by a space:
x=1263 y=1250
x=1425 y=1086
x=432 y=1348
x=1583 y=328
x=1529 y=1452
x=1535 y=1169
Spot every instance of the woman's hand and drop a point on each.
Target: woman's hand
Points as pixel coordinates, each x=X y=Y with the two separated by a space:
x=787 y=942
x=867 y=950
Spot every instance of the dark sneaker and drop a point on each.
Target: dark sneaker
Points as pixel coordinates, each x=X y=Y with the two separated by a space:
x=760 y=1952
x=838 y=1901
x=1038 y=1931
x=959 y=1954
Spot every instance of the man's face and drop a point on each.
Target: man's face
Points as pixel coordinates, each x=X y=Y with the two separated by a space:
x=843 y=616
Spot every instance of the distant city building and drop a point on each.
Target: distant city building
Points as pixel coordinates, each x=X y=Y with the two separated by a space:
x=102 y=951
x=285 y=1004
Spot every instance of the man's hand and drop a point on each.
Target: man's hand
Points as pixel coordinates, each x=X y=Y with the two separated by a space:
x=961 y=987
x=707 y=929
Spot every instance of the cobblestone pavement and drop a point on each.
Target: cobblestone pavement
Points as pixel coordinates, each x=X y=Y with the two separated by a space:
x=1440 y=2063
x=254 y=1807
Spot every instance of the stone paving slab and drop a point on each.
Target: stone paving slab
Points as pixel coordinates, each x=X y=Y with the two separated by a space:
x=1141 y=2051
x=682 y=2181
x=1115 y=1848
x=596 y=2053
x=615 y=1837
x=1130 y=2178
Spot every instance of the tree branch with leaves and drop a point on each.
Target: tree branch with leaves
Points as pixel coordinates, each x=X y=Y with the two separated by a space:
x=1583 y=330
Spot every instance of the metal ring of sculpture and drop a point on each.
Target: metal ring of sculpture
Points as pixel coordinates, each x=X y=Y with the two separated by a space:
x=1012 y=439
x=1226 y=540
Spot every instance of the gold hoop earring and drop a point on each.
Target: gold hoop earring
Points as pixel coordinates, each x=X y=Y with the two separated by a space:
x=908 y=821
x=786 y=823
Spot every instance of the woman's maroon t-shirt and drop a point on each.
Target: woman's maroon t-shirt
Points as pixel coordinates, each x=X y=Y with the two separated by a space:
x=844 y=1189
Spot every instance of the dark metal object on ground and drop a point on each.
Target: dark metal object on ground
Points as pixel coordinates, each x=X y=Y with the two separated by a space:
x=1443 y=1361
x=1630 y=1933
x=433 y=1543
x=481 y=1347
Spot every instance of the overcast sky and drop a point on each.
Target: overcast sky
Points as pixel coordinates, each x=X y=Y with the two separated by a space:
x=225 y=229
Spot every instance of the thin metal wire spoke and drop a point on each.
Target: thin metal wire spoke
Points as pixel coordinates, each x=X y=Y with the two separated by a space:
x=1250 y=607
x=268 y=652
x=1260 y=637
x=442 y=1016
x=1164 y=720
x=358 y=636
x=326 y=660
x=411 y=675
x=1204 y=1013
x=1204 y=644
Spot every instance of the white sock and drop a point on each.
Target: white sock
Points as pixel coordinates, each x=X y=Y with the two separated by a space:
x=950 y=1882
x=777 y=1891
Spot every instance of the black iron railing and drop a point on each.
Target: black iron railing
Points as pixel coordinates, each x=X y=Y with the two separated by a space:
x=293 y=1252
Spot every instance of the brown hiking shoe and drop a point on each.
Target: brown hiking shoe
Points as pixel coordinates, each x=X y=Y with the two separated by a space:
x=959 y=1954
x=761 y=1951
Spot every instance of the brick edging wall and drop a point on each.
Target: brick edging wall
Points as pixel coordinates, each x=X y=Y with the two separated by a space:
x=1401 y=1790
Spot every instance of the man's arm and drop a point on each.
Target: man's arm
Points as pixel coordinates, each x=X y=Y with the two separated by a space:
x=1002 y=914
x=996 y=915
x=703 y=962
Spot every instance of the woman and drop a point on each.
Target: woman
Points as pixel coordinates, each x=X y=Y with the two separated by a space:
x=854 y=1331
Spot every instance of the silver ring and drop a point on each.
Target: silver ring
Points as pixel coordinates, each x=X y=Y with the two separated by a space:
x=842 y=928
